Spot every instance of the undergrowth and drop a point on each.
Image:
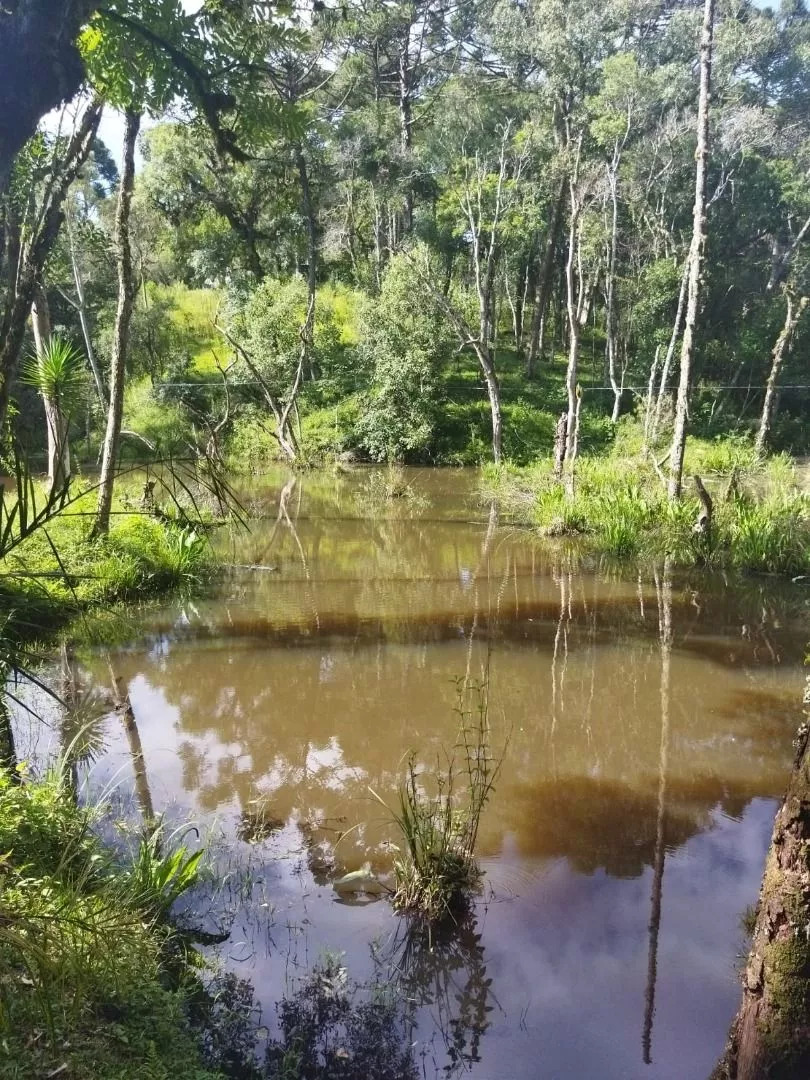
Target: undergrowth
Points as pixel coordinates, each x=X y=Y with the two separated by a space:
x=87 y=988
x=59 y=571
x=761 y=520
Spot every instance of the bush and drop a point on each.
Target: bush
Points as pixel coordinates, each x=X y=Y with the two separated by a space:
x=404 y=343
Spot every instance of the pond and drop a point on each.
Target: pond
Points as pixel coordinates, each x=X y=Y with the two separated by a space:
x=645 y=721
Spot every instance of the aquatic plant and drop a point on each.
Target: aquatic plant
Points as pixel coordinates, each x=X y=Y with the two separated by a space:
x=162 y=871
x=437 y=873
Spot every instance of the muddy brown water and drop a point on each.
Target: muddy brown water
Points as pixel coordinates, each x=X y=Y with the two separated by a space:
x=649 y=720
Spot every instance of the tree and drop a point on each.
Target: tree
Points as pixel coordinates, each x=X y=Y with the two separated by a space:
x=404 y=343
x=56 y=371
x=42 y=177
x=696 y=254
x=126 y=295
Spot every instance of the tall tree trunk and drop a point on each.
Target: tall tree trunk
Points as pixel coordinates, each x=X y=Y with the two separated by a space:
x=81 y=308
x=123 y=315
x=55 y=420
x=572 y=304
x=308 y=328
x=770 y=1036
x=544 y=284
x=782 y=346
x=611 y=331
x=406 y=124
x=696 y=255
x=670 y=353
x=40 y=66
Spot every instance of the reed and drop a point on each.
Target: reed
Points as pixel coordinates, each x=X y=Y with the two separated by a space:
x=437 y=873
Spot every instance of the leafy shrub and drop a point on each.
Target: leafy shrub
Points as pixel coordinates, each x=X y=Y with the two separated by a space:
x=404 y=342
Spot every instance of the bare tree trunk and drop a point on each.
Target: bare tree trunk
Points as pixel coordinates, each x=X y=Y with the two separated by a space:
x=696 y=255
x=308 y=328
x=544 y=283
x=782 y=346
x=55 y=420
x=670 y=353
x=572 y=303
x=81 y=308
x=770 y=1036
x=611 y=330
x=406 y=123
x=123 y=315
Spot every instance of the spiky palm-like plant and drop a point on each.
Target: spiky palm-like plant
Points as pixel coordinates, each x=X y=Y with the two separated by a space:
x=57 y=372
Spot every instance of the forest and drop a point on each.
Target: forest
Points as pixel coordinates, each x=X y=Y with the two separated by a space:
x=337 y=326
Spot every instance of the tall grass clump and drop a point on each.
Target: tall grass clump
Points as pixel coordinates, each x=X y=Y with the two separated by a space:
x=768 y=536
x=437 y=874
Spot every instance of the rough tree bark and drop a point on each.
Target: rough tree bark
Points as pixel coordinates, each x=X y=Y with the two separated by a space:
x=308 y=327
x=770 y=1036
x=123 y=315
x=696 y=254
x=781 y=348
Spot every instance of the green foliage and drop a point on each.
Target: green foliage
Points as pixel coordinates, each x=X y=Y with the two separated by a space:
x=404 y=345
x=267 y=325
x=762 y=525
x=162 y=871
x=57 y=373
x=165 y=424
x=81 y=960
x=141 y=556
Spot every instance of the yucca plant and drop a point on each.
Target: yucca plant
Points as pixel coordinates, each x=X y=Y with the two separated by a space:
x=56 y=371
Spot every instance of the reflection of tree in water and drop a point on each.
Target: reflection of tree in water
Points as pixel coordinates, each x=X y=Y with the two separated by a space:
x=443 y=969
x=335 y=1030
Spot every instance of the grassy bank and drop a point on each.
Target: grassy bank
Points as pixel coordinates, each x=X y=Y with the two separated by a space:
x=761 y=520
x=93 y=983
x=60 y=572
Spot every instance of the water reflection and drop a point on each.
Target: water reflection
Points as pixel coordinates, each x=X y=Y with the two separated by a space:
x=650 y=719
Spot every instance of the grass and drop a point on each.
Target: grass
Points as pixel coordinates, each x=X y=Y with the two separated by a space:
x=437 y=874
x=86 y=988
x=59 y=572
x=761 y=521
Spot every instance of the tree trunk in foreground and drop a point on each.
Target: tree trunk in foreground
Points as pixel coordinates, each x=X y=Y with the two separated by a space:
x=770 y=1036
x=696 y=254
x=782 y=346
x=123 y=315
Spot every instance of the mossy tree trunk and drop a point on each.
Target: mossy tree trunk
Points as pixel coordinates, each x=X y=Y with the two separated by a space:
x=770 y=1036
